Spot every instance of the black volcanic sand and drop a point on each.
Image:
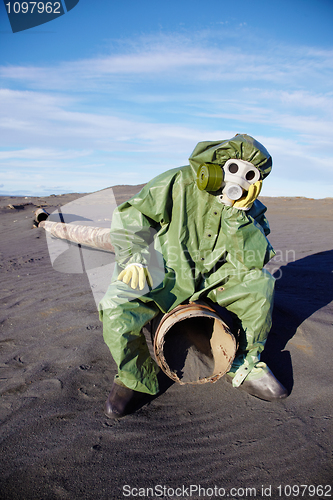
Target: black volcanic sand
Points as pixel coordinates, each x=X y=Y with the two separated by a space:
x=56 y=373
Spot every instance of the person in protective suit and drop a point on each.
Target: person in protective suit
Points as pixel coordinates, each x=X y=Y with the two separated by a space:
x=209 y=229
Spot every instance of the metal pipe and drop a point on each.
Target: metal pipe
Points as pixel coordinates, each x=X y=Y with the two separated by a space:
x=193 y=344
x=93 y=237
x=40 y=215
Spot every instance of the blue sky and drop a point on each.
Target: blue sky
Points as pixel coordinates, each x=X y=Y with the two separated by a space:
x=118 y=92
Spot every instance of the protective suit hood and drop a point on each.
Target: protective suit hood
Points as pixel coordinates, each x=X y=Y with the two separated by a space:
x=242 y=147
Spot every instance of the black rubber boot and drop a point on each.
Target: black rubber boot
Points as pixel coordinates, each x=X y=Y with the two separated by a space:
x=267 y=387
x=122 y=401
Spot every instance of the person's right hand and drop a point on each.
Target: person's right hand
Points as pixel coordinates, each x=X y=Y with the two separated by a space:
x=246 y=202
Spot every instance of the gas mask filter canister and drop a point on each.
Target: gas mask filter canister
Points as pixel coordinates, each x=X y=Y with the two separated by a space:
x=210 y=177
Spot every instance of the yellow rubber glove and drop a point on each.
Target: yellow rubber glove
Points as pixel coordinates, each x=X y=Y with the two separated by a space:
x=136 y=275
x=245 y=202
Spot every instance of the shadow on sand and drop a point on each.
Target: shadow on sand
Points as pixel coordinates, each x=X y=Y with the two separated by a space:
x=302 y=288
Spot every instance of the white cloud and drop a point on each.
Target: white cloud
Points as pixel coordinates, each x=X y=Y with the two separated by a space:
x=206 y=56
x=143 y=107
x=42 y=154
x=300 y=99
x=33 y=118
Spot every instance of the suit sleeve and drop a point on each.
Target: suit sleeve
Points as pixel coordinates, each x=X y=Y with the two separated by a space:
x=246 y=237
x=136 y=222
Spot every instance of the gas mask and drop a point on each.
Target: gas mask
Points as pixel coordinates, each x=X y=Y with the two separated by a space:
x=238 y=177
x=235 y=178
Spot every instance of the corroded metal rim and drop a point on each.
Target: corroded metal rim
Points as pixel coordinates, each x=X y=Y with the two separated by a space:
x=223 y=342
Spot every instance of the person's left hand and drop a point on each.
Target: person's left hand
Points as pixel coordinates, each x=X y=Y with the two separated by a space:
x=136 y=276
x=245 y=202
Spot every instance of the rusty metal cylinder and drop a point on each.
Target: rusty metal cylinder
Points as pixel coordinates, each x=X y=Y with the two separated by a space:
x=93 y=237
x=41 y=215
x=193 y=345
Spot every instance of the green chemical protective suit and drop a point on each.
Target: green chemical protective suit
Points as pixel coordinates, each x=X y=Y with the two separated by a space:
x=195 y=248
